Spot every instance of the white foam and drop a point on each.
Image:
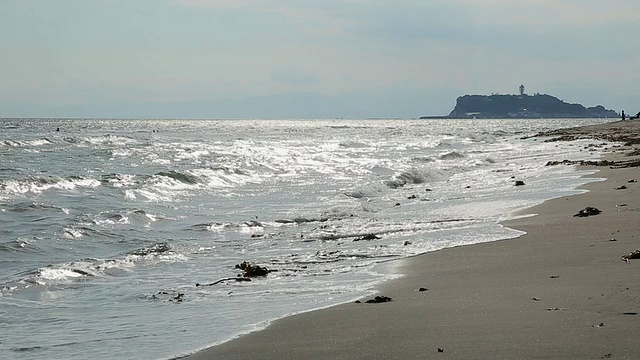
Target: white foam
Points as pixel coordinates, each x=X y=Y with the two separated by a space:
x=40 y=185
x=49 y=275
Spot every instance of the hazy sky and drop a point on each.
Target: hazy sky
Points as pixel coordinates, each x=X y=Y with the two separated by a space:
x=310 y=58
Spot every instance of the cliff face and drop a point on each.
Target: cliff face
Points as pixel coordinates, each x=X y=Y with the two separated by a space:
x=524 y=106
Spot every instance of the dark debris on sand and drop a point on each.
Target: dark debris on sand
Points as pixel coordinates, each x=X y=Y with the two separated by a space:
x=379 y=299
x=588 y=211
x=632 y=255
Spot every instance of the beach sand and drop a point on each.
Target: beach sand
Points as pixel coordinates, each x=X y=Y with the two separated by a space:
x=562 y=291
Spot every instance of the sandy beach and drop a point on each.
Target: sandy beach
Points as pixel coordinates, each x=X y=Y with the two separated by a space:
x=562 y=291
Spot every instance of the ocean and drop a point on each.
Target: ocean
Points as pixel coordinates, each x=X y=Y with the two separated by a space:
x=107 y=225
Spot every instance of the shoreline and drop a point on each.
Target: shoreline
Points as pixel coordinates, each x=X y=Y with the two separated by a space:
x=559 y=291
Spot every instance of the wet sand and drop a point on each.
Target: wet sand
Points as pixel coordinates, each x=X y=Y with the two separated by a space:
x=562 y=291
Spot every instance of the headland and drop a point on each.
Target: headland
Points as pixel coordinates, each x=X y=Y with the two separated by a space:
x=568 y=289
x=521 y=106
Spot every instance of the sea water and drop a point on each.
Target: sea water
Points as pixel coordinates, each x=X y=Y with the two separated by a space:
x=106 y=226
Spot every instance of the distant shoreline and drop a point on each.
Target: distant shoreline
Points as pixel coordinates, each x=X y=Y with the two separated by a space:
x=522 y=106
x=446 y=117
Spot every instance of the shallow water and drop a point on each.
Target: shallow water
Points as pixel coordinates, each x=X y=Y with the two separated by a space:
x=105 y=222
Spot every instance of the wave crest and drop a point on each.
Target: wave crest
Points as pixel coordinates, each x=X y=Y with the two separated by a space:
x=451 y=156
x=413 y=176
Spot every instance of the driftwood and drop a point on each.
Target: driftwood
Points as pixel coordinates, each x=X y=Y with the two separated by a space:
x=237 y=279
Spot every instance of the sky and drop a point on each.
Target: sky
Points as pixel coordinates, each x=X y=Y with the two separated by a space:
x=310 y=58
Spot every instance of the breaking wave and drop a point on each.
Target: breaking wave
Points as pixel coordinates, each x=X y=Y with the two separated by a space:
x=26 y=143
x=85 y=269
x=179 y=176
x=39 y=184
x=415 y=176
x=451 y=155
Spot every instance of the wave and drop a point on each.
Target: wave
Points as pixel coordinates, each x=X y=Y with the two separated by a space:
x=415 y=176
x=26 y=143
x=154 y=250
x=212 y=176
x=75 y=232
x=364 y=192
x=301 y=220
x=488 y=138
x=353 y=145
x=218 y=226
x=125 y=217
x=35 y=206
x=119 y=180
x=69 y=273
x=19 y=245
x=56 y=274
x=167 y=184
x=444 y=144
x=79 y=230
x=451 y=156
x=39 y=184
x=377 y=234
x=257 y=227
x=423 y=159
x=101 y=140
x=179 y=176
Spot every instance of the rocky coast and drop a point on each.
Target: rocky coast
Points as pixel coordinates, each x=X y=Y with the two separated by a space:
x=522 y=106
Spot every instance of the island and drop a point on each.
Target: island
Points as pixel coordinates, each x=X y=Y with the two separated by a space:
x=521 y=106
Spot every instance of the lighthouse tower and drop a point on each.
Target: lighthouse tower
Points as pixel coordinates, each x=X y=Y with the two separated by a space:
x=521 y=90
